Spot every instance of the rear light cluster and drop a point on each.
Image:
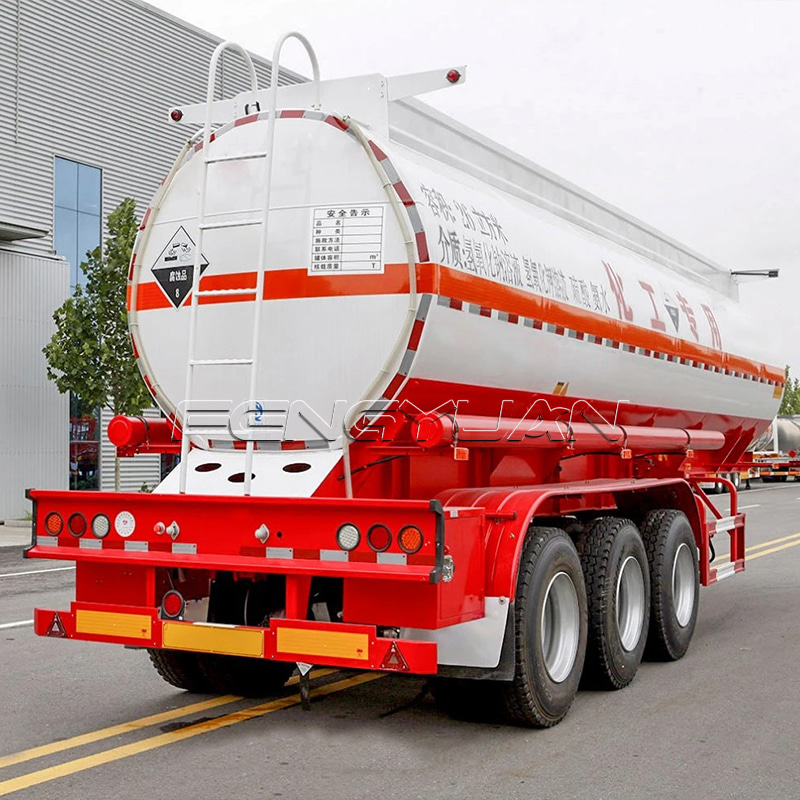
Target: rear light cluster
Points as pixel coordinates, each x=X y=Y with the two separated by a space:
x=77 y=524
x=379 y=538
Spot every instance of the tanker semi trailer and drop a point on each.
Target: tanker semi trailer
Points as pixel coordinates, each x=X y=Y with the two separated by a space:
x=439 y=413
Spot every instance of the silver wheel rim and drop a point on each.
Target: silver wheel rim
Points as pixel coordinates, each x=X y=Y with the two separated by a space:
x=630 y=603
x=683 y=584
x=560 y=627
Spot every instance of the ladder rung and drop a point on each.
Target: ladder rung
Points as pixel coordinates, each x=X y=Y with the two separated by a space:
x=240 y=157
x=238 y=223
x=217 y=292
x=219 y=362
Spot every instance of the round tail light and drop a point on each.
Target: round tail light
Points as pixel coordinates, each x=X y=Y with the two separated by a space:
x=348 y=536
x=77 y=524
x=101 y=525
x=172 y=604
x=54 y=523
x=379 y=537
x=410 y=539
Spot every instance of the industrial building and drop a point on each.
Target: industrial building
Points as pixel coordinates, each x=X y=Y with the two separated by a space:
x=85 y=87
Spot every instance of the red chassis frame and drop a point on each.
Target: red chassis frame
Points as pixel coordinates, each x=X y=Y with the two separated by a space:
x=121 y=579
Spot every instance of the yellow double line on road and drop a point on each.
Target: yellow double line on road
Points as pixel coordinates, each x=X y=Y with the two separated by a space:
x=153 y=742
x=758 y=550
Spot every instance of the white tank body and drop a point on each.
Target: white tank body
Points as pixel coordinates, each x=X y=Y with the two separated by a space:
x=504 y=299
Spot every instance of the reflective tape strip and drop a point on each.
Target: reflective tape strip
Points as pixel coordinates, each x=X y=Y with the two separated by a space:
x=558 y=330
x=725 y=571
x=724 y=524
x=106 y=623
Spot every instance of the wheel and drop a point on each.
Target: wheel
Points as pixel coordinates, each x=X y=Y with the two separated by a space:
x=248 y=677
x=736 y=479
x=618 y=592
x=181 y=669
x=674 y=583
x=550 y=630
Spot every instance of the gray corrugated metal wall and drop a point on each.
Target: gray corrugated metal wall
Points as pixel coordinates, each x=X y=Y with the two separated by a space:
x=34 y=434
x=91 y=81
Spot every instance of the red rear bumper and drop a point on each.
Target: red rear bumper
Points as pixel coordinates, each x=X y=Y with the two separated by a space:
x=321 y=643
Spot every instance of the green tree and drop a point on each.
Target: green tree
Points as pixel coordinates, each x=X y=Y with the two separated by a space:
x=790 y=404
x=90 y=353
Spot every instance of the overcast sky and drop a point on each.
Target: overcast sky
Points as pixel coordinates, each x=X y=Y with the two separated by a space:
x=685 y=114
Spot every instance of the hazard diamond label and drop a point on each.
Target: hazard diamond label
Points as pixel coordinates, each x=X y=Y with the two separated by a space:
x=56 y=628
x=174 y=268
x=394 y=659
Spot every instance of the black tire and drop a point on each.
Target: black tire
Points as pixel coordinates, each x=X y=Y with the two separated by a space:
x=181 y=669
x=736 y=479
x=536 y=698
x=665 y=532
x=247 y=677
x=614 y=588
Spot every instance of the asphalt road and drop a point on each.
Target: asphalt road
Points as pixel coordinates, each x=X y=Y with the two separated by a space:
x=724 y=722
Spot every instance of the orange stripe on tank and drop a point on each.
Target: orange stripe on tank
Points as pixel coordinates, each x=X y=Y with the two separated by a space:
x=436 y=279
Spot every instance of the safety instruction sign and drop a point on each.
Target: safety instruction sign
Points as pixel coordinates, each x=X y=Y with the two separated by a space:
x=347 y=239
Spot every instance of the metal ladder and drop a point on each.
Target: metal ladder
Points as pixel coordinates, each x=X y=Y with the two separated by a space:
x=202 y=226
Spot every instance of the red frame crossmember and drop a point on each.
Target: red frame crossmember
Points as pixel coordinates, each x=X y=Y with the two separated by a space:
x=297 y=535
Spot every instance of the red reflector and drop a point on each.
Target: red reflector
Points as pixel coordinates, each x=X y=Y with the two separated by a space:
x=77 y=524
x=454 y=76
x=172 y=604
x=53 y=523
x=56 y=628
x=176 y=115
x=394 y=659
x=379 y=537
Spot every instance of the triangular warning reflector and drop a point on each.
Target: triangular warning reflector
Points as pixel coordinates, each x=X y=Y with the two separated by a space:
x=57 y=628
x=394 y=659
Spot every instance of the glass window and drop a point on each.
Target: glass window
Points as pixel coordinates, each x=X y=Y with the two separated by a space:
x=88 y=234
x=84 y=445
x=77 y=214
x=66 y=184
x=89 y=189
x=66 y=239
